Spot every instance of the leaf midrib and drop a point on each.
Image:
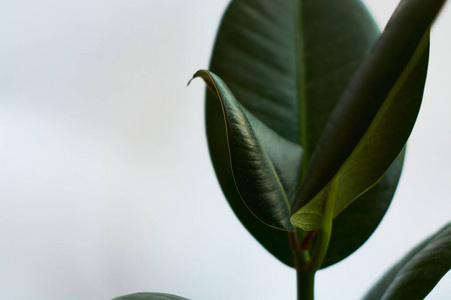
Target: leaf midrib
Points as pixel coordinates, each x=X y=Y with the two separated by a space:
x=301 y=88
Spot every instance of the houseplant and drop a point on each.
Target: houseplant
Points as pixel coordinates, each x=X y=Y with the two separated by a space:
x=297 y=166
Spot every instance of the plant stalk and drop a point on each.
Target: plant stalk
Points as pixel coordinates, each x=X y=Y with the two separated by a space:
x=305 y=279
x=306 y=265
x=305 y=283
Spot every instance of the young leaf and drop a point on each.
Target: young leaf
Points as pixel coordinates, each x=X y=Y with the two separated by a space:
x=418 y=272
x=288 y=62
x=150 y=296
x=265 y=166
x=374 y=117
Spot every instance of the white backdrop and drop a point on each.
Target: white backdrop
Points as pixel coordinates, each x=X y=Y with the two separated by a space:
x=106 y=186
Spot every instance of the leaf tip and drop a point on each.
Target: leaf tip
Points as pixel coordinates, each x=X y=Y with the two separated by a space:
x=197 y=74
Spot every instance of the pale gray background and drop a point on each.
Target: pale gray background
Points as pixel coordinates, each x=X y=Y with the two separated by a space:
x=106 y=186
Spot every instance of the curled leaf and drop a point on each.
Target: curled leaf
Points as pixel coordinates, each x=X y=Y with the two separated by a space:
x=265 y=166
x=374 y=117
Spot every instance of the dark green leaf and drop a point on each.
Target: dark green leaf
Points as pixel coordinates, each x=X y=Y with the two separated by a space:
x=288 y=66
x=150 y=296
x=418 y=272
x=265 y=166
x=355 y=224
x=371 y=123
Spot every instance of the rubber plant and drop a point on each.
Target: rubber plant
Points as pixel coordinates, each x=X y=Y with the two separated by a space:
x=307 y=119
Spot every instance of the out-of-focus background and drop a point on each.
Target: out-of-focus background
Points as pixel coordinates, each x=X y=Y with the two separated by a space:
x=106 y=186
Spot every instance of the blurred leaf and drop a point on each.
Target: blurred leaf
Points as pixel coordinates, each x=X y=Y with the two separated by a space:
x=373 y=119
x=288 y=62
x=418 y=272
x=265 y=166
x=150 y=296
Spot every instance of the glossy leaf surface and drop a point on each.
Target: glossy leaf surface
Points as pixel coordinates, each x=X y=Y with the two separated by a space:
x=150 y=296
x=374 y=118
x=418 y=272
x=264 y=165
x=288 y=64
x=355 y=224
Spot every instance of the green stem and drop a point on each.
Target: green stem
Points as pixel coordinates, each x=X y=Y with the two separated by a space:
x=305 y=279
x=305 y=265
x=305 y=282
